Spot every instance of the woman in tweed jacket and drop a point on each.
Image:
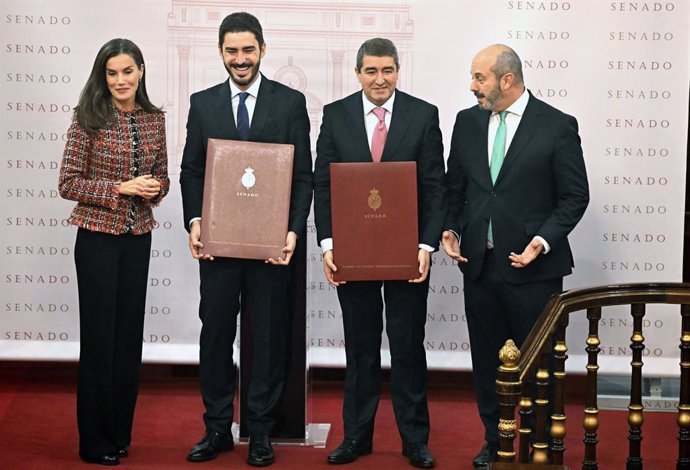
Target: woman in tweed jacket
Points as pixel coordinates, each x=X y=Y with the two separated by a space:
x=115 y=167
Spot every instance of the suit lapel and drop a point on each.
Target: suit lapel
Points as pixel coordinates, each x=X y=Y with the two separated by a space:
x=529 y=123
x=222 y=112
x=400 y=120
x=482 y=146
x=355 y=125
x=262 y=109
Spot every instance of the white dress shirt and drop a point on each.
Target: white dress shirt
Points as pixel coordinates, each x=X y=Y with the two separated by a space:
x=250 y=102
x=514 y=114
x=370 y=119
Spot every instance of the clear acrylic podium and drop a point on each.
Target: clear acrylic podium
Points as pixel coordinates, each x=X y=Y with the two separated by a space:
x=293 y=427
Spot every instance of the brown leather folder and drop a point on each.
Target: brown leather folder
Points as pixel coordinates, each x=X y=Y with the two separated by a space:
x=246 y=199
x=374 y=221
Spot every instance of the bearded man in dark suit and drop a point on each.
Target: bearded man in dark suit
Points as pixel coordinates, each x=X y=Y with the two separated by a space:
x=413 y=134
x=248 y=106
x=517 y=186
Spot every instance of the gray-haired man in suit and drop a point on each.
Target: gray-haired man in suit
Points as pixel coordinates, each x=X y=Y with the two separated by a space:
x=348 y=135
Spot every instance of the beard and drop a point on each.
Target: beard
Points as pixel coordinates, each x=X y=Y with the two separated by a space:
x=494 y=95
x=243 y=81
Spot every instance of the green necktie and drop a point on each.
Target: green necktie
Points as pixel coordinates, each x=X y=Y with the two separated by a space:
x=498 y=153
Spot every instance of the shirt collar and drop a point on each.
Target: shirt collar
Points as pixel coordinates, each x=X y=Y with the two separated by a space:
x=252 y=90
x=518 y=107
x=368 y=105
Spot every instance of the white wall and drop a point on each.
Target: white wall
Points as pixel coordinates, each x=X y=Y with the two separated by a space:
x=620 y=67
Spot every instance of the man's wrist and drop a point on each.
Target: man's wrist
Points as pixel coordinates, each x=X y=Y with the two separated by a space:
x=544 y=244
x=326 y=244
x=425 y=247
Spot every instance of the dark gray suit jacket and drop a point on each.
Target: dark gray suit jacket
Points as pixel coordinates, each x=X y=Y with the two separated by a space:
x=541 y=190
x=413 y=135
x=280 y=116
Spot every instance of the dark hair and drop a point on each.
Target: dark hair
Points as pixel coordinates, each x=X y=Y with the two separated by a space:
x=508 y=62
x=377 y=47
x=240 y=22
x=94 y=110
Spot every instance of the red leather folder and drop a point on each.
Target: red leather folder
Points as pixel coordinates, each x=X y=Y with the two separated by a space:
x=374 y=221
x=246 y=201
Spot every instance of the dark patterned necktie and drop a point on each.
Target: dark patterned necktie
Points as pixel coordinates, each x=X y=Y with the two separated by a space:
x=243 y=117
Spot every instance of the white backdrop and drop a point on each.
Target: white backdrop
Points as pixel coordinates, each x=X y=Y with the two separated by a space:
x=620 y=67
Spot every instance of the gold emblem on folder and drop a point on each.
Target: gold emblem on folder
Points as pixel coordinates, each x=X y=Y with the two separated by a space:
x=374 y=199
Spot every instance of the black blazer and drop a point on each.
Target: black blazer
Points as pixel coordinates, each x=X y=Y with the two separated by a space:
x=541 y=190
x=413 y=135
x=280 y=116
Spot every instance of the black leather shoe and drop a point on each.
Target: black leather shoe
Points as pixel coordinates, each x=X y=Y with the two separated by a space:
x=419 y=455
x=489 y=453
x=106 y=459
x=122 y=452
x=348 y=451
x=260 y=451
x=212 y=444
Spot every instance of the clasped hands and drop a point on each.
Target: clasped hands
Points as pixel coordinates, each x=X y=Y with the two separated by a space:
x=145 y=186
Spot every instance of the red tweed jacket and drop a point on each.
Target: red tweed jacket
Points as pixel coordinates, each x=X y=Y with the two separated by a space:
x=94 y=165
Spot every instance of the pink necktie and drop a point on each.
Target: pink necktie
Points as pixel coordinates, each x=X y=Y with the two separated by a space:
x=379 y=138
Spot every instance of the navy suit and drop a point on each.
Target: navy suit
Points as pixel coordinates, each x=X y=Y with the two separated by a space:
x=280 y=116
x=542 y=190
x=413 y=135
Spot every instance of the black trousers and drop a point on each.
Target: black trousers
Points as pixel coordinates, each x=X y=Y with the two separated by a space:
x=226 y=285
x=405 y=309
x=112 y=275
x=497 y=311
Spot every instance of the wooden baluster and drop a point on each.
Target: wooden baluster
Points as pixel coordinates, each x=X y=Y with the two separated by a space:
x=683 y=462
x=540 y=454
x=508 y=390
x=591 y=420
x=526 y=422
x=558 y=430
x=635 y=409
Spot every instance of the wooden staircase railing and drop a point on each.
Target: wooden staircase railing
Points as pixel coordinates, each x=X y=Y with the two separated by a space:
x=524 y=379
